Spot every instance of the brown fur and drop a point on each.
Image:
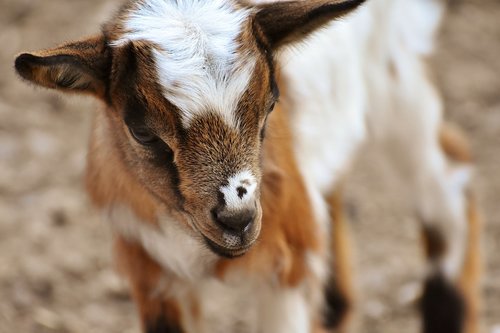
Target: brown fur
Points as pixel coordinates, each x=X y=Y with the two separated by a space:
x=454 y=143
x=145 y=277
x=470 y=278
x=341 y=251
x=284 y=239
x=457 y=148
x=109 y=181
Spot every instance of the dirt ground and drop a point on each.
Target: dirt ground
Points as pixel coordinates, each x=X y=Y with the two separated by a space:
x=56 y=273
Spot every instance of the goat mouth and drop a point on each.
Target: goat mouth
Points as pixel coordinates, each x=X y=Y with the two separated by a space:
x=227 y=244
x=225 y=252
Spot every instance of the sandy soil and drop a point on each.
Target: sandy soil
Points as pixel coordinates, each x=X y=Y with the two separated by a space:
x=56 y=273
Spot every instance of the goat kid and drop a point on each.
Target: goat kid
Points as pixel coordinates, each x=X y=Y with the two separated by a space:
x=226 y=215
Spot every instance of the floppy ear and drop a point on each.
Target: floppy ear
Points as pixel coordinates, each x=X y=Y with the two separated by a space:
x=81 y=67
x=286 y=22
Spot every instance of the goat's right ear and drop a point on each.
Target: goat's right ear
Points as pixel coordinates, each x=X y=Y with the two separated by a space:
x=291 y=21
x=80 y=67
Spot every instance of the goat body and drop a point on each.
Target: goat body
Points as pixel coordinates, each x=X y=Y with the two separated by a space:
x=226 y=216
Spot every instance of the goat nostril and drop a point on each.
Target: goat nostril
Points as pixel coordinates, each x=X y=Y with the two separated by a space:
x=241 y=191
x=234 y=222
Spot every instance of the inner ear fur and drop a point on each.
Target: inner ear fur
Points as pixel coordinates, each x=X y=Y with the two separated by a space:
x=288 y=22
x=82 y=66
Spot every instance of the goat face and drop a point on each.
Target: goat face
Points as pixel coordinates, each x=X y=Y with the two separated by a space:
x=189 y=85
x=202 y=161
x=192 y=115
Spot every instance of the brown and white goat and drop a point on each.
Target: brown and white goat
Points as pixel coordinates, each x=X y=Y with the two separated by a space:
x=227 y=215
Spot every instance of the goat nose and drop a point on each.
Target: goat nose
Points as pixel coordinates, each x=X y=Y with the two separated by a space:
x=235 y=222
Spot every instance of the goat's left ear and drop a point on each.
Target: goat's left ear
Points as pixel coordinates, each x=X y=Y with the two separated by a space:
x=81 y=67
x=286 y=22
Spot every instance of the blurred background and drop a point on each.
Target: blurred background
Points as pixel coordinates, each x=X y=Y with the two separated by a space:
x=56 y=272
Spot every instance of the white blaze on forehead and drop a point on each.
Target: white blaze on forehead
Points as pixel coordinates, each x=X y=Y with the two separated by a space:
x=196 y=53
x=240 y=191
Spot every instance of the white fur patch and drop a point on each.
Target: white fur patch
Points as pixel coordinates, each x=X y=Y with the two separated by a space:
x=224 y=306
x=244 y=180
x=169 y=244
x=286 y=311
x=243 y=303
x=317 y=265
x=328 y=99
x=416 y=29
x=196 y=53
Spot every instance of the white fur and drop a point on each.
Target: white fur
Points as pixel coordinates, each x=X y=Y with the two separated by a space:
x=196 y=53
x=223 y=306
x=327 y=96
x=243 y=179
x=317 y=266
x=171 y=245
x=245 y=304
x=364 y=78
x=329 y=99
x=285 y=311
x=241 y=303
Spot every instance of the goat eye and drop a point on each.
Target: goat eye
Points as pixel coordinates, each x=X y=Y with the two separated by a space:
x=143 y=135
x=271 y=108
